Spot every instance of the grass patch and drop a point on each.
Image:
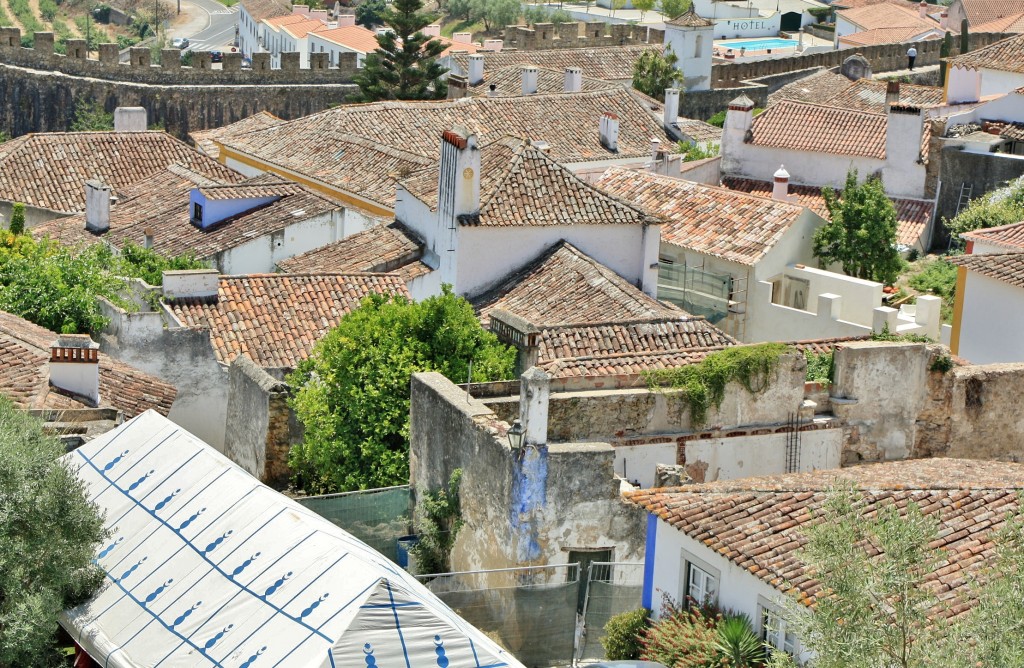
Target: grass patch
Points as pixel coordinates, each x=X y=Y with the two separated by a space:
x=936 y=277
x=452 y=26
x=228 y=3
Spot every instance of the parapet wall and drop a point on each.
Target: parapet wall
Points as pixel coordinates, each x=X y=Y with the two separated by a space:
x=580 y=34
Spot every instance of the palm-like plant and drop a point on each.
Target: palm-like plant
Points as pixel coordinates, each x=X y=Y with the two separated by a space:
x=737 y=644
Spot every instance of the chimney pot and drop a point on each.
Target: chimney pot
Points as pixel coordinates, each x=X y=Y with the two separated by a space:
x=671 y=107
x=780 y=189
x=147 y=239
x=476 y=69
x=97 y=206
x=609 y=131
x=75 y=366
x=573 y=79
x=922 y=9
x=529 y=80
x=130 y=119
x=892 y=93
x=944 y=20
x=655 y=149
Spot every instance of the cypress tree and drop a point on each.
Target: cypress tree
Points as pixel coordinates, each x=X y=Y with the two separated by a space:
x=404 y=66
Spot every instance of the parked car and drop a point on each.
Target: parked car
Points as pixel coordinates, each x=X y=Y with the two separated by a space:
x=216 y=57
x=180 y=43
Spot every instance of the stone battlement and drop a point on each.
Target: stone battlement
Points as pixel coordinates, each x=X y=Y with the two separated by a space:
x=575 y=35
x=140 y=68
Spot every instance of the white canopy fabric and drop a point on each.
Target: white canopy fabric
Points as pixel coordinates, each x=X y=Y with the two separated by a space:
x=206 y=566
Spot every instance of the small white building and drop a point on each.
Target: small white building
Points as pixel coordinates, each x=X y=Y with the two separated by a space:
x=736 y=543
x=345 y=37
x=251 y=14
x=690 y=38
x=889 y=22
x=993 y=70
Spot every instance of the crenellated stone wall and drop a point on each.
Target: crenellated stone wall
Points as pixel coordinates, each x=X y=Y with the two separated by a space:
x=576 y=35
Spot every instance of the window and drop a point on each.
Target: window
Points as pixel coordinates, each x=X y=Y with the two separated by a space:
x=197 y=212
x=775 y=629
x=699 y=44
x=700 y=585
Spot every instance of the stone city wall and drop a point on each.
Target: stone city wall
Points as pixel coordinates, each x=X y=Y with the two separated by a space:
x=579 y=34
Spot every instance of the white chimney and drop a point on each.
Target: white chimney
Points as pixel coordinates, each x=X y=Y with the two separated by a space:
x=97 y=206
x=610 y=131
x=922 y=9
x=433 y=30
x=130 y=119
x=75 y=366
x=461 y=37
x=147 y=237
x=944 y=20
x=529 y=79
x=533 y=406
x=671 y=106
x=476 y=69
x=573 y=79
x=494 y=44
x=191 y=283
x=459 y=183
x=656 y=153
x=346 y=20
x=780 y=190
x=892 y=93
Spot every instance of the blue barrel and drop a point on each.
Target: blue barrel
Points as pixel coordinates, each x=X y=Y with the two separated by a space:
x=405 y=543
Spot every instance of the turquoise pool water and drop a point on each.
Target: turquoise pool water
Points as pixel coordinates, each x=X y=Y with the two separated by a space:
x=759 y=44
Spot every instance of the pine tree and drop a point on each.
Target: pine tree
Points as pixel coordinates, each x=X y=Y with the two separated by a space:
x=17 y=225
x=404 y=66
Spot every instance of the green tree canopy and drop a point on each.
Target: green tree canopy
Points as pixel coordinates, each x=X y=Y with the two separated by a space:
x=404 y=66
x=861 y=234
x=353 y=392
x=17 y=225
x=671 y=9
x=370 y=13
x=49 y=532
x=497 y=13
x=90 y=117
x=1002 y=207
x=644 y=6
x=654 y=72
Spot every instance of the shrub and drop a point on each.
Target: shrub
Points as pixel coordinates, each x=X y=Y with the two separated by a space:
x=819 y=367
x=17 y=225
x=692 y=152
x=682 y=638
x=438 y=520
x=737 y=645
x=624 y=635
x=941 y=364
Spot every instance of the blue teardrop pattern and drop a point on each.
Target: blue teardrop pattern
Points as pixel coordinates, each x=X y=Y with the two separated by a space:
x=277 y=584
x=105 y=551
x=442 y=660
x=131 y=487
x=185 y=615
x=251 y=659
x=245 y=564
x=156 y=592
x=124 y=576
x=223 y=537
x=220 y=634
x=113 y=462
x=371 y=662
x=160 y=506
x=184 y=525
x=313 y=606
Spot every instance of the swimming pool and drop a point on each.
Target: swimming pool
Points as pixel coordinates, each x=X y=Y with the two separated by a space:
x=759 y=44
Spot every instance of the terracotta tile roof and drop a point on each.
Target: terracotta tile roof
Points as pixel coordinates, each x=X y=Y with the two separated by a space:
x=49 y=170
x=1005 y=267
x=759 y=524
x=912 y=215
x=278 y=21
x=896 y=35
x=699 y=131
x=706 y=219
x=356 y=38
x=1014 y=131
x=276 y=319
x=508 y=82
x=820 y=129
x=850 y=4
x=363 y=148
x=1006 y=55
x=265 y=9
x=451 y=46
x=887 y=15
x=1007 y=236
x=521 y=186
x=1013 y=23
x=869 y=95
x=25 y=375
x=298 y=30
x=206 y=140
x=564 y=285
x=690 y=19
x=612 y=63
x=383 y=248
x=826 y=345
x=980 y=12
x=816 y=87
x=161 y=206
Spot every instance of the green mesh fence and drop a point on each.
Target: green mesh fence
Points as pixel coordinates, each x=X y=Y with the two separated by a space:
x=604 y=601
x=378 y=517
x=532 y=614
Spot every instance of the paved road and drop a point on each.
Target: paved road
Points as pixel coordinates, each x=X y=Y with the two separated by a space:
x=210 y=27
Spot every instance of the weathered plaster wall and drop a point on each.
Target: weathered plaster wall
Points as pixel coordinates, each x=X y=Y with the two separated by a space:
x=518 y=509
x=984 y=171
x=260 y=429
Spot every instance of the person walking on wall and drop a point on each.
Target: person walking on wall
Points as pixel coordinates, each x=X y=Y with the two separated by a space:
x=911 y=56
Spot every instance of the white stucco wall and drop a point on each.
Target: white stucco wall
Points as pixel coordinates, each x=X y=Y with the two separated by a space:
x=318 y=44
x=486 y=255
x=755 y=26
x=844 y=26
x=998 y=82
x=693 y=48
x=992 y=321
x=747 y=456
x=241 y=167
x=640 y=461
x=819 y=169
x=262 y=254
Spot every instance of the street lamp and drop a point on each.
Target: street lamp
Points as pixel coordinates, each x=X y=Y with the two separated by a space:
x=515 y=435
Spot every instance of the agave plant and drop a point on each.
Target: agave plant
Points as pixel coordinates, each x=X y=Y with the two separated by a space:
x=737 y=644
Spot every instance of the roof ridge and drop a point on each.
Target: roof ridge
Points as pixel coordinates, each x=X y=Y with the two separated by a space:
x=670 y=180
x=310 y=274
x=784 y=103
x=684 y=317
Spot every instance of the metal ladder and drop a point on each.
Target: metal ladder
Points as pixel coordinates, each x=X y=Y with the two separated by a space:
x=966 y=190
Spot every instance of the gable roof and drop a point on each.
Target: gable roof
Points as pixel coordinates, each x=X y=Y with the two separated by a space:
x=49 y=170
x=1014 y=23
x=819 y=128
x=1005 y=267
x=300 y=29
x=382 y=248
x=265 y=9
x=983 y=11
x=706 y=219
x=912 y=215
x=759 y=523
x=1007 y=236
x=205 y=566
x=162 y=207
x=816 y=87
x=25 y=375
x=891 y=35
x=1005 y=55
x=508 y=82
x=611 y=63
x=690 y=19
x=276 y=319
x=206 y=140
x=521 y=186
x=869 y=95
x=353 y=37
x=565 y=285
x=887 y=15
